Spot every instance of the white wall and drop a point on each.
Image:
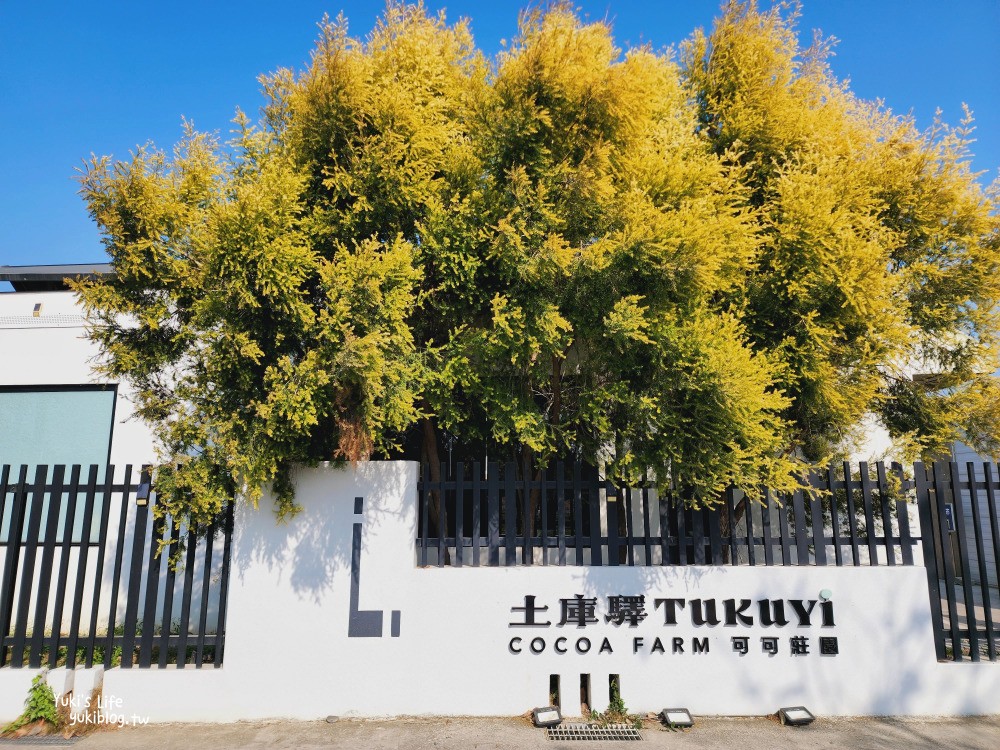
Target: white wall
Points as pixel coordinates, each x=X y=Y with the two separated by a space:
x=288 y=653
x=53 y=350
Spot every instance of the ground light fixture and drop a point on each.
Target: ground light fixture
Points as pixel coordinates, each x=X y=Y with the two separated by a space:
x=795 y=716
x=677 y=717
x=548 y=716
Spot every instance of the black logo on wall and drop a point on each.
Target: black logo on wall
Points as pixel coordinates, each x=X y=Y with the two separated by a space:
x=364 y=623
x=580 y=612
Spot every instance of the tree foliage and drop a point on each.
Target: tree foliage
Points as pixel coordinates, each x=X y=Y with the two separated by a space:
x=879 y=248
x=710 y=267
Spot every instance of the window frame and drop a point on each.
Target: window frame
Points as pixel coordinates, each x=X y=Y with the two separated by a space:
x=74 y=388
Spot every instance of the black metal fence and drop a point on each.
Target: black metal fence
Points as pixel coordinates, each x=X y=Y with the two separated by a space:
x=83 y=581
x=568 y=515
x=958 y=509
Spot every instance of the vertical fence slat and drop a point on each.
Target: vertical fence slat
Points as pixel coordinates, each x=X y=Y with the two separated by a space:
x=883 y=492
x=134 y=581
x=493 y=511
x=903 y=520
x=81 y=569
x=748 y=515
x=715 y=535
x=186 y=595
x=612 y=503
x=442 y=519
x=963 y=554
x=594 y=495
x=12 y=559
x=4 y=487
x=866 y=497
x=984 y=581
x=510 y=514
x=459 y=513
x=206 y=581
x=730 y=499
x=227 y=544
x=544 y=503
x=991 y=504
x=831 y=481
x=155 y=562
x=425 y=493
x=765 y=528
x=527 y=516
x=561 y=510
x=477 y=505
x=786 y=542
x=698 y=536
x=627 y=507
x=852 y=515
x=801 y=538
x=816 y=511
x=119 y=561
x=578 y=512
x=28 y=567
x=673 y=542
x=678 y=528
x=166 y=617
x=929 y=531
x=65 y=549
x=682 y=545
x=7 y=581
x=425 y=484
x=646 y=541
x=4 y=477
x=663 y=508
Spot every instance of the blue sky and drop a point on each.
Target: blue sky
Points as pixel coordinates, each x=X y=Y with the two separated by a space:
x=101 y=77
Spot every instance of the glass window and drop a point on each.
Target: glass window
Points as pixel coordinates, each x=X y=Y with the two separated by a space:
x=54 y=425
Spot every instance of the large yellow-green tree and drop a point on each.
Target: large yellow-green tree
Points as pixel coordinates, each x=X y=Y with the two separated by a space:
x=710 y=268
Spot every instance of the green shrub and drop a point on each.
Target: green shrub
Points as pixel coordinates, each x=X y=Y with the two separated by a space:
x=40 y=704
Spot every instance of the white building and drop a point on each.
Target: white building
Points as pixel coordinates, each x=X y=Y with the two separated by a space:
x=53 y=409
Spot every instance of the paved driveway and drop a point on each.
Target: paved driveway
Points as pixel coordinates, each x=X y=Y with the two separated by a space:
x=516 y=734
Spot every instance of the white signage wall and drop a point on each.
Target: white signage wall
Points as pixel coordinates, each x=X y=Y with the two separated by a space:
x=329 y=614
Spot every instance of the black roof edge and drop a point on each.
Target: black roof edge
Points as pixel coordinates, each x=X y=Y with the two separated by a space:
x=52 y=277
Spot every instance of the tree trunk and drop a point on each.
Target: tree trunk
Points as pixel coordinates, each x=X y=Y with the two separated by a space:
x=738 y=510
x=534 y=496
x=435 y=512
x=527 y=455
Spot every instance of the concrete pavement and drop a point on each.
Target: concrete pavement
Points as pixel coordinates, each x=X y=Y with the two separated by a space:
x=981 y=733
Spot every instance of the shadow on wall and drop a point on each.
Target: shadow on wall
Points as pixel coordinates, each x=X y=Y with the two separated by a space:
x=312 y=548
